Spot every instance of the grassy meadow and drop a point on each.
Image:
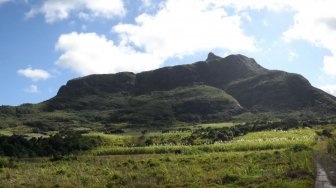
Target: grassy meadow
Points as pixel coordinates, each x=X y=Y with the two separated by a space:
x=269 y=158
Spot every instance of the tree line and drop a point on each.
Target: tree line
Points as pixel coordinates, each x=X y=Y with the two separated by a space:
x=56 y=145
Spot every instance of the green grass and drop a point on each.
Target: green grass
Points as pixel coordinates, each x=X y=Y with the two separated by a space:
x=259 y=159
x=224 y=147
x=253 y=141
x=216 y=125
x=112 y=139
x=233 y=169
x=20 y=130
x=295 y=134
x=6 y=132
x=25 y=131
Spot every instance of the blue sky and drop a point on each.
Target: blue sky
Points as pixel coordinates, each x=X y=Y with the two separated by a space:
x=43 y=44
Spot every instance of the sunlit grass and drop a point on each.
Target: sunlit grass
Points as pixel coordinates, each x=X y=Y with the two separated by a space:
x=264 y=140
x=16 y=130
x=290 y=134
x=6 y=132
x=216 y=125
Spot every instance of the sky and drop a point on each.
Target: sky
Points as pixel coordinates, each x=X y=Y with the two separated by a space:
x=45 y=43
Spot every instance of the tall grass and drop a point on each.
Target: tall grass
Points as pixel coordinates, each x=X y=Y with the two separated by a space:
x=244 y=143
x=232 y=169
x=284 y=159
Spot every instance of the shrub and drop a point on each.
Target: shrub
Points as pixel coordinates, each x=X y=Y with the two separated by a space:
x=326 y=133
x=299 y=148
x=228 y=178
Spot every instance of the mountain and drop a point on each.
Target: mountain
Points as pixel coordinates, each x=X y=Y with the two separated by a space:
x=213 y=90
x=253 y=86
x=215 y=71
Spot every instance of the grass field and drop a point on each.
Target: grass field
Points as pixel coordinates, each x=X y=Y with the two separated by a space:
x=258 y=159
x=239 y=169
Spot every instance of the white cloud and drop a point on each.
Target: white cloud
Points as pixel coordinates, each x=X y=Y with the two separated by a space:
x=178 y=28
x=34 y=74
x=56 y=10
x=31 y=89
x=89 y=53
x=329 y=65
x=185 y=27
x=243 y=5
x=315 y=21
x=331 y=89
x=246 y=16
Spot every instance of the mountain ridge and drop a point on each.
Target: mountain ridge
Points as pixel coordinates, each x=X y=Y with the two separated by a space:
x=215 y=90
x=201 y=71
x=229 y=74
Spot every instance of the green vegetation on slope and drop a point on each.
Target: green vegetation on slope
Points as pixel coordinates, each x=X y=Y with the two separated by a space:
x=198 y=103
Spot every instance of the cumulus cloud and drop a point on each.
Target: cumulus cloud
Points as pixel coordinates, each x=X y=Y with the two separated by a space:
x=31 y=89
x=242 y=5
x=180 y=28
x=329 y=65
x=331 y=89
x=34 y=74
x=315 y=22
x=185 y=27
x=177 y=29
x=89 y=53
x=329 y=22
x=56 y=10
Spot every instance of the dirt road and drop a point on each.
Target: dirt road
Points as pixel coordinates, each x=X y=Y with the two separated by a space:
x=322 y=180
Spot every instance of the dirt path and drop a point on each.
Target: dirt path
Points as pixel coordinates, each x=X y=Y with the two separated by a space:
x=325 y=166
x=322 y=180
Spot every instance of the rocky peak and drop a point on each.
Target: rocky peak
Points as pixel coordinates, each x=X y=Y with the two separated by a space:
x=212 y=56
